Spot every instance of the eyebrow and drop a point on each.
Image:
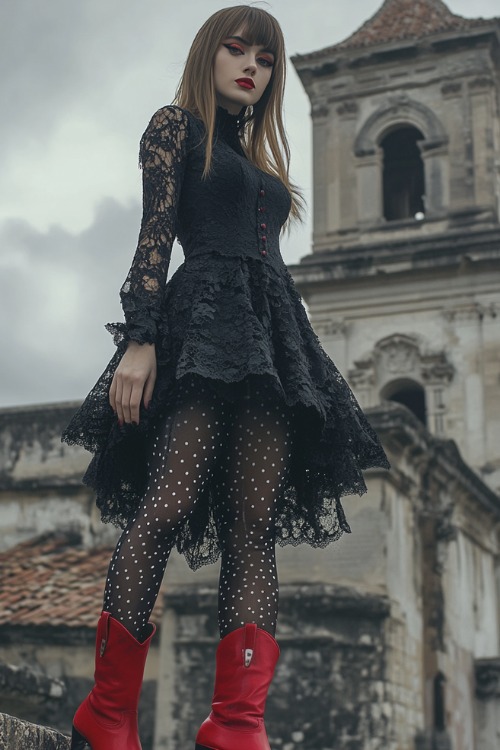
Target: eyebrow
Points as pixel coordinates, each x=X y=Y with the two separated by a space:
x=244 y=41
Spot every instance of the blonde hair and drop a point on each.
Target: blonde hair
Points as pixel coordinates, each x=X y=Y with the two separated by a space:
x=265 y=140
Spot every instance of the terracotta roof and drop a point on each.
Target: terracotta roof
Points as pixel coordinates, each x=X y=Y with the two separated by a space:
x=398 y=20
x=53 y=580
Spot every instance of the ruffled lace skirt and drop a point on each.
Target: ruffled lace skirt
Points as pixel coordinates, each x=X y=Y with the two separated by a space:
x=232 y=322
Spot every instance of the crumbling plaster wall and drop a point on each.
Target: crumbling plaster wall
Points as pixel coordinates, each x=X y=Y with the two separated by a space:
x=40 y=478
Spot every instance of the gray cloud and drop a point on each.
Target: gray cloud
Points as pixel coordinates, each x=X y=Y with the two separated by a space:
x=79 y=82
x=58 y=290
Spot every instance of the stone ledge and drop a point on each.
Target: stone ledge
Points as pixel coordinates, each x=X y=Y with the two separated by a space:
x=335 y=598
x=16 y=734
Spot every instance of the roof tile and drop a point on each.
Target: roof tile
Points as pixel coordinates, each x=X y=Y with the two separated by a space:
x=53 y=580
x=399 y=20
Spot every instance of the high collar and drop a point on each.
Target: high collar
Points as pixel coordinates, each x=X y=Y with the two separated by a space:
x=228 y=126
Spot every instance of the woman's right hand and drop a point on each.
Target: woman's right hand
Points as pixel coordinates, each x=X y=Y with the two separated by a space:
x=134 y=379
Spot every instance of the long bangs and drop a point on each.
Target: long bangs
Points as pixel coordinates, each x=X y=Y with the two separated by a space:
x=257 y=26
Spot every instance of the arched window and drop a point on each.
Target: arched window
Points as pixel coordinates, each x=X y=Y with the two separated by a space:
x=410 y=394
x=403 y=176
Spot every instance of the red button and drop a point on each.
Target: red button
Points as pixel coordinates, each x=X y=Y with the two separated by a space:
x=261 y=209
x=264 y=238
x=263 y=226
x=262 y=192
x=263 y=252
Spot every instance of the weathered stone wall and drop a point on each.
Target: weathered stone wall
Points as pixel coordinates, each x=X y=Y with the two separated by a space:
x=471 y=599
x=40 y=478
x=328 y=690
x=45 y=661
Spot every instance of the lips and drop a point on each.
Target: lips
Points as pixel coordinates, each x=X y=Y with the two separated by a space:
x=245 y=83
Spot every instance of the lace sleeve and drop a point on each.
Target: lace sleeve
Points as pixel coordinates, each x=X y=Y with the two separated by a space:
x=162 y=156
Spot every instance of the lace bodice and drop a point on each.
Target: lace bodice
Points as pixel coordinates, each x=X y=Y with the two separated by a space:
x=237 y=210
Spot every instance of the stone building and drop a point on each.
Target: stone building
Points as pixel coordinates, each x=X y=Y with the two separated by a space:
x=403 y=287
x=390 y=638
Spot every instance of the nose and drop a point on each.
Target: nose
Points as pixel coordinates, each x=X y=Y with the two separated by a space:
x=251 y=67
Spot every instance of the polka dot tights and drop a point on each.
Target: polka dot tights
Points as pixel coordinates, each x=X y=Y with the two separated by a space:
x=246 y=447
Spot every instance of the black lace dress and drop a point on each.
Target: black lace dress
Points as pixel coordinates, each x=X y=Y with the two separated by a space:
x=229 y=315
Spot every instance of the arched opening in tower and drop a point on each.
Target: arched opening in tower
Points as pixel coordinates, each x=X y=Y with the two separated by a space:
x=403 y=176
x=409 y=393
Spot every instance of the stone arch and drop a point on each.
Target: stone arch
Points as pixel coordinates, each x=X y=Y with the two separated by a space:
x=410 y=393
x=395 y=112
x=401 y=360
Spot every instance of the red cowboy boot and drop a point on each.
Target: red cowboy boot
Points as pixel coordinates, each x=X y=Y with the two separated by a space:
x=245 y=663
x=107 y=718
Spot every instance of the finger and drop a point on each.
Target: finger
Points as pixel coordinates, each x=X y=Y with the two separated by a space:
x=135 y=401
x=126 y=392
x=118 y=398
x=149 y=388
x=112 y=393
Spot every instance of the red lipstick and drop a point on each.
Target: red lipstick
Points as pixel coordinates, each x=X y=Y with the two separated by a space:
x=246 y=83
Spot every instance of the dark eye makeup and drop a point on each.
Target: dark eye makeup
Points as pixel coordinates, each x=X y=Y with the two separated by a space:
x=232 y=47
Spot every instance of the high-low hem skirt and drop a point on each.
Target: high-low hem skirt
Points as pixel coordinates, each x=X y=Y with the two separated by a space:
x=235 y=326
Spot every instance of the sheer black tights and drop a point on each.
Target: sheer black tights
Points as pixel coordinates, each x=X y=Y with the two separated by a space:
x=246 y=448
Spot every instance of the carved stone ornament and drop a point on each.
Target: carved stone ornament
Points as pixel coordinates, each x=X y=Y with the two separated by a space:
x=397 y=355
x=336 y=328
x=347 y=109
x=435 y=368
x=453 y=88
x=487 y=678
x=446 y=531
x=398 y=101
x=320 y=110
x=400 y=356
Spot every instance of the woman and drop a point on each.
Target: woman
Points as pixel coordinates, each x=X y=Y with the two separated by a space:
x=220 y=426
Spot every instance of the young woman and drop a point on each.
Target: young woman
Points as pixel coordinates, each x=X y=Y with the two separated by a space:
x=220 y=426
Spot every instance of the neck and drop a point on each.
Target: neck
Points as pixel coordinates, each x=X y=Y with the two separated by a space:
x=229 y=126
x=236 y=118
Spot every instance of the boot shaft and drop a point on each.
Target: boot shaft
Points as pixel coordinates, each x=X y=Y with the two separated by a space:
x=245 y=662
x=119 y=664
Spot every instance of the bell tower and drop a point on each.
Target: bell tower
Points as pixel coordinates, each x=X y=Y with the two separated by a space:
x=403 y=281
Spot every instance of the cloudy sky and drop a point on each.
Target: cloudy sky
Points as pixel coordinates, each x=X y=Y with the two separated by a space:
x=80 y=80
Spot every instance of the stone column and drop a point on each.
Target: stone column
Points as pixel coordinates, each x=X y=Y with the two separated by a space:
x=320 y=172
x=437 y=178
x=460 y=182
x=347 y=114
x=482 y=137
x=369 y=187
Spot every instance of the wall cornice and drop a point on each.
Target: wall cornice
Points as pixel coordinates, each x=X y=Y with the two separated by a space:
x=460 y=251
